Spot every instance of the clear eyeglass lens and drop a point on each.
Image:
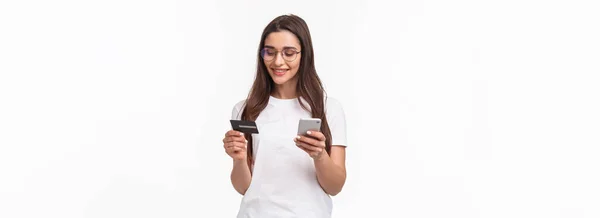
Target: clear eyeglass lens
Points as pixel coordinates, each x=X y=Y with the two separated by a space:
x=288 y=54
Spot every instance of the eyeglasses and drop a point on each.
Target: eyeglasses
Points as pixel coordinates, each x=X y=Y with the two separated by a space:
x=288 y=54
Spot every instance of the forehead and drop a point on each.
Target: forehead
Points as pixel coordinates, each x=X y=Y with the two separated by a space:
x=282 y=39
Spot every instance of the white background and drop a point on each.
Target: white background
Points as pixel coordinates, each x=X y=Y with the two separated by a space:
x=454 y=108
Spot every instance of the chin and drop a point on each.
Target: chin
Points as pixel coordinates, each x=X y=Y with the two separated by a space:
x=280 y=81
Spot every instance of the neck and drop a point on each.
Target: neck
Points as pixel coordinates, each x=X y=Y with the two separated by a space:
x=286 y=90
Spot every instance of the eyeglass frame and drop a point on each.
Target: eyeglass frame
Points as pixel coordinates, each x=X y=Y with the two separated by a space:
x=277 y=52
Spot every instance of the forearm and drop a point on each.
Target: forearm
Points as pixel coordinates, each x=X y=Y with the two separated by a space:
x=241 y=176
x=331 y=177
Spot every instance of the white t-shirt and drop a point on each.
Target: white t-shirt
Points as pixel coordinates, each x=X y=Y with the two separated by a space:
x=284 y=181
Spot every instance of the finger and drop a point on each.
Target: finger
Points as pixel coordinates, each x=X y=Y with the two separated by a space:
x=233 y=149
x=235 y=144
x=309 y=140
x=228 y=150
x=308 y=147
x=310 y=153
x=234 y=133
x=305 y=150
x=239 y=145
x=232 y=145
x=234 y=139
x=228 y=146
x=316 y=134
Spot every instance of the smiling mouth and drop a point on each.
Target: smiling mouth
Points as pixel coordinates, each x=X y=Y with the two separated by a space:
x=280 y=72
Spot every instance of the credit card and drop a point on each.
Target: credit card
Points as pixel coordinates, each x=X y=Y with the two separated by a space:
x=244 y=126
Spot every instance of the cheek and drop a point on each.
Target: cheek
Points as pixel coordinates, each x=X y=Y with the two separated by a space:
x=294 y=66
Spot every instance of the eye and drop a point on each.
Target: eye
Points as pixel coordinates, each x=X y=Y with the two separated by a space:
x=270 y=51
x=289 y=52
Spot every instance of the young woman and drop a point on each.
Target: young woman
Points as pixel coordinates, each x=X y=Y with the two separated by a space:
x=283 y=174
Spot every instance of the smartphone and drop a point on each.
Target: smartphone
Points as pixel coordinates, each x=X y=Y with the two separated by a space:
x=308 y=124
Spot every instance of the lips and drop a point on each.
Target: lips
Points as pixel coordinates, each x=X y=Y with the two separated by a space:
x=280 y=72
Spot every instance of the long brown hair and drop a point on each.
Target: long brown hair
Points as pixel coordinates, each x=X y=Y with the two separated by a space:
x=309 y=85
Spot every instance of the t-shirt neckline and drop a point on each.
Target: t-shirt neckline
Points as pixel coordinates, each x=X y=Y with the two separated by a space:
x=282 y=100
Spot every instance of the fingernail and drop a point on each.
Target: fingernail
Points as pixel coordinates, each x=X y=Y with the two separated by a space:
x=308 y=132
x=241 y=133
x=297 y=137
x=246 y=141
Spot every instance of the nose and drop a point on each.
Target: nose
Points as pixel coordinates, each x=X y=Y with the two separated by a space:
x=279 y=59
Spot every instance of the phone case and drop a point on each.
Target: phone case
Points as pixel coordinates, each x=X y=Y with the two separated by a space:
x=305 y=125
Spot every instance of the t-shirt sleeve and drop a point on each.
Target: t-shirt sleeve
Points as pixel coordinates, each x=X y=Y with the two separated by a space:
x=336 y=119
x=236 y=112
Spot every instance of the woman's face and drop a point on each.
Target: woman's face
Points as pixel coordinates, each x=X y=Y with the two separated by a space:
x=281 y=55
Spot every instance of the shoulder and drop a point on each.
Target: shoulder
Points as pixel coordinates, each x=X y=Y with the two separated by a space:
x=333 y=106
x=239 y=105
x=236 y=111
x=332 y=103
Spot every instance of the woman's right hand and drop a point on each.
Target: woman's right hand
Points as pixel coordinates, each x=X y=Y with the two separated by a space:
x=235 y=145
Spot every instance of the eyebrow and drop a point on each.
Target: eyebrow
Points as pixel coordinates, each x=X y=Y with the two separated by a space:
x=284 y=47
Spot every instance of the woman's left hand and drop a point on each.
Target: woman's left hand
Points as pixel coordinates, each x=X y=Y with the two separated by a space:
x=312 y=143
